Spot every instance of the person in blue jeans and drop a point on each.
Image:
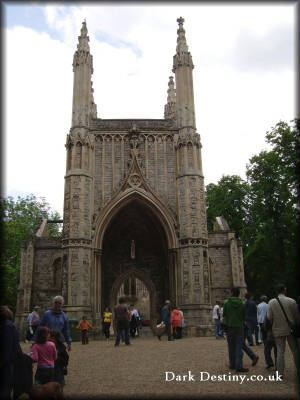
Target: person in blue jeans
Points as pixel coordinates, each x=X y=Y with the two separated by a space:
x=166 y=318
x=217 y=320
x=121 y=322
x=254 y=357
x=251 y=318
x=234 y=315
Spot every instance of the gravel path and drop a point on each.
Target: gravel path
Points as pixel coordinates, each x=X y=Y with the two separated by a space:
x=138 y=371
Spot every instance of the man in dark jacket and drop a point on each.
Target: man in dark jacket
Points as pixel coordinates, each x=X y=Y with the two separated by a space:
x=166 y=319
x=11 y=356
x=234 y=315
x=251 y=318
x=121 y=322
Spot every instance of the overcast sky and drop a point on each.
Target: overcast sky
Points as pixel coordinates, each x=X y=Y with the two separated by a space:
x=244 y=79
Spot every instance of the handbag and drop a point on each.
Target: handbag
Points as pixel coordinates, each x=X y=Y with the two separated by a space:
x=160 y=327
x=294 y=328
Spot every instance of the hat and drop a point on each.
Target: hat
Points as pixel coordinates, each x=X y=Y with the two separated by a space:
x=36 y=307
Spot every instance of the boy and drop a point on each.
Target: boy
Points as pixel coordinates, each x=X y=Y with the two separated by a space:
x=84 y=326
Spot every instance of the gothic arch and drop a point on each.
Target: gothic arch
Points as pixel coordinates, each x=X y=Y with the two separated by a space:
x=148 y=200
x=148 y=283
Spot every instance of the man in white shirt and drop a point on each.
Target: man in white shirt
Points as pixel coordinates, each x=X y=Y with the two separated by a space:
x=262 y=309
x=280 y=327
x=216 y=318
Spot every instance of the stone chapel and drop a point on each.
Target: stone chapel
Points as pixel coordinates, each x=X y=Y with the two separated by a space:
x=134 y=211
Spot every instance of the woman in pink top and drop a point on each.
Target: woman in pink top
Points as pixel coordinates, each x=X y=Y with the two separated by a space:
x=176 y=318
x=43 y=351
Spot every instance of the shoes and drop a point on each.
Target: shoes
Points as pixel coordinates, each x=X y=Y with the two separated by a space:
x=254 y=361
x=251 y=344
x=242 y=370
x=269 y=366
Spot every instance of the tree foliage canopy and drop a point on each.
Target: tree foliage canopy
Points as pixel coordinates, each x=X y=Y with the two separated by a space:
x=20 y=219
x=264 y=211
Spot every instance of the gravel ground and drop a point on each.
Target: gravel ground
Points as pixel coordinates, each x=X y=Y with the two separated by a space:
x=101 y=370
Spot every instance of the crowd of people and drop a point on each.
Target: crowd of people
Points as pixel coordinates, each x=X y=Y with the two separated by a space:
x=236 y=319
x=272 y=324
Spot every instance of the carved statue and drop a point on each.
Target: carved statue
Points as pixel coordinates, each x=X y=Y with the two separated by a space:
x=132 y=249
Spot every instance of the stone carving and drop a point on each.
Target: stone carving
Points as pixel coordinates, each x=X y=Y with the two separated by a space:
x=132 y=249
x=134 y=180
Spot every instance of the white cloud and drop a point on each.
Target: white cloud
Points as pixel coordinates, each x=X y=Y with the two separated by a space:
x=133 y=48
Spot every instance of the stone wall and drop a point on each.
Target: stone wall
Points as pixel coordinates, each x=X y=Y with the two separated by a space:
x=156 y=158
x=222 y=264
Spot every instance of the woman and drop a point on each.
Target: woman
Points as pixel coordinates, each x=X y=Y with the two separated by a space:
x=176 y=322
x=107 y=318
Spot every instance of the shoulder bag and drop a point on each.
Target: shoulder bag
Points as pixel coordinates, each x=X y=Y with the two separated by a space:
x=294 y=328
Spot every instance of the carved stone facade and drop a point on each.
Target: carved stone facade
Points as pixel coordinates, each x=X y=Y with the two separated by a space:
x=141 y=181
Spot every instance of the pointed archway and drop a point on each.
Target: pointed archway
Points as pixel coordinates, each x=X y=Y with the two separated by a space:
x=136 y=274
x=135 y=223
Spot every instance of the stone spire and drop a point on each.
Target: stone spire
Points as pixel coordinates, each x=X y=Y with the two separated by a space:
x=183 y=68
x=181 y=40
x=170 y=107
x=83 y=103
x=83 y=39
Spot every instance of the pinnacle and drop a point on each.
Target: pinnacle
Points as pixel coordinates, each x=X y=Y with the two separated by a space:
x=84 y=29
x=180 y=22
x=83 y=39
x=181 y=40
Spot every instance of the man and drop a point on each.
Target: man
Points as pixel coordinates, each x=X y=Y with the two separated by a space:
x=121 y=322
x=55 y=318
x=216 y=318
x=234 y=315
x=262 y=310
x=166 y=318
x=10 y=349
x=34 y=320
x=280 y=327
x=251 y=318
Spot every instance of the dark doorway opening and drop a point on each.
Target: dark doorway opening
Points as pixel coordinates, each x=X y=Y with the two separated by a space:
x=135 y=241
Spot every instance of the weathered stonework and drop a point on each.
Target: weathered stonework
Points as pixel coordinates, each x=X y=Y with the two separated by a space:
x=132 y=180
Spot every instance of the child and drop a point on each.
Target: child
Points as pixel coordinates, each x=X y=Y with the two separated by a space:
x=84 y=326
x=43 y=352
x=61 y=363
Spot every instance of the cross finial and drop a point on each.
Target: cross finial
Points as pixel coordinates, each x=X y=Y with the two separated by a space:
x=180 y=21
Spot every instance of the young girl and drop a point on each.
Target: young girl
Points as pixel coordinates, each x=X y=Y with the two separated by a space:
x=43 y=352
x=61 y=363
x=84 y=326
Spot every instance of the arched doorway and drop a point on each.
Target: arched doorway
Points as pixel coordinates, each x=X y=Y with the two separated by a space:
x=135 y=245
x=136 y=287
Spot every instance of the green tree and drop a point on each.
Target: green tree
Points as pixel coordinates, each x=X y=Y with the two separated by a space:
x=20 y=219
x=264 y=211
x=228 y=198
x=273 y=252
